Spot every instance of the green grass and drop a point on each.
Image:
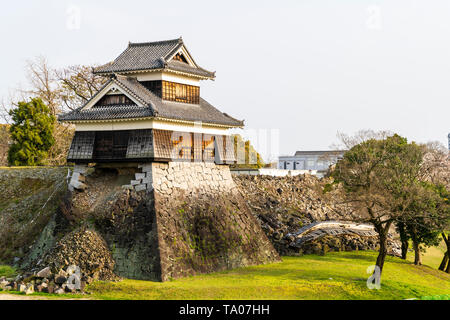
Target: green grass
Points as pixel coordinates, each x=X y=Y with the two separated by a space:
x=334 y=276
x=432 y=256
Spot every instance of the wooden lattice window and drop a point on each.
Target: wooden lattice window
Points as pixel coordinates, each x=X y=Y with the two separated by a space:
x=185 y=146
x=180 y=57
x=116 y=99
x=208 y=148
x=162 y=144
x=180 y=92
x=154 y=86
x=82 y=146
x=140 y=144
x=182 y=146
x=224 y=148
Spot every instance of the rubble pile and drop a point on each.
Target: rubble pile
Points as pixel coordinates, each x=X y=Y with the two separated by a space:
x=285 y=205
x=79 y=258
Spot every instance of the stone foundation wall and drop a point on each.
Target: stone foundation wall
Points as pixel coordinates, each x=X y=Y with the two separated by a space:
x=204 y=224
x=171 y=220
x=206 y=178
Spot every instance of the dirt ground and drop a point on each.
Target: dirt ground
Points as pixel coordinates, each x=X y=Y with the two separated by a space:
x=6 y=296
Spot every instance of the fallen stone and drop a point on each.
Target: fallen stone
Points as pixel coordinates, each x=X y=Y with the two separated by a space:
x=44 y=273
x=140 y=176
x=29 y=289
x=78 y=185
x=135 y=182
x=59 y=291
x=147 y=180
x=80 y=169
x=49 y=289
x=140 y=187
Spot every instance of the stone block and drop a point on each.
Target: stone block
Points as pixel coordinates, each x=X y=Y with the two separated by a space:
x=79 y=168
x=147 y=180
x=78 y=185
x=75 y=176
x=140 y=187
x=135 y=182
x=147 y=168
x=44 y=273
x=140 y=176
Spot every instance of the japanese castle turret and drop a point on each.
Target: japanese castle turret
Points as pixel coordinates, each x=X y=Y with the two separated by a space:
x=150 y=110
x=161 y=156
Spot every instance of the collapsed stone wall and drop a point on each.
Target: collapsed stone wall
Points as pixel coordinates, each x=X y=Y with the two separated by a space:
x=204 y=224
x=124 y=217
x=284 y=205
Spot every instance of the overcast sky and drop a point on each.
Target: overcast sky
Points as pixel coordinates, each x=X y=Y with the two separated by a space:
x=309 y=68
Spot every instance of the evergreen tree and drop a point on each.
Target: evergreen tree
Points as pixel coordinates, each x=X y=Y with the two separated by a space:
x=31 y=133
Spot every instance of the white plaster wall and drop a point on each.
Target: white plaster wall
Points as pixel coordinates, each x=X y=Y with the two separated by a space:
x=151 y=124
x=152 y=76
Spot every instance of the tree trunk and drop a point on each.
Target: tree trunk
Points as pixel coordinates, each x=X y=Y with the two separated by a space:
x=382 y=236
x=403 y=239
x=417 y=256
x=416 y=246
x=447 y=254
x=444 y=262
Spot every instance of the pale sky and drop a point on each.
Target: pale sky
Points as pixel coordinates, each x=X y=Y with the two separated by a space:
x=308 y=68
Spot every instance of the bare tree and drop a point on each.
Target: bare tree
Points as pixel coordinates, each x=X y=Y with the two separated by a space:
x=61 y=90
x=347 y=141
x=43 y=83
x=77 y=85
x=4 y=112
x=436 y=169
x=436 y=165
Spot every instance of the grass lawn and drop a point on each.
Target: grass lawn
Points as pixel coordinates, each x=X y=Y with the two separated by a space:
x=432 y=256
x=334 y=276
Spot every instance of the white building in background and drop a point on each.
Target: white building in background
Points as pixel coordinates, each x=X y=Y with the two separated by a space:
x=318 y=161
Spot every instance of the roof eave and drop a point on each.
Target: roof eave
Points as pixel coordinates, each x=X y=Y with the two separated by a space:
x=207 y=124
x=110 y=73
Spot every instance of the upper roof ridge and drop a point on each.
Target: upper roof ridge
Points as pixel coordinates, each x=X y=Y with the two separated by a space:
x=136 y=44
x=155 y=55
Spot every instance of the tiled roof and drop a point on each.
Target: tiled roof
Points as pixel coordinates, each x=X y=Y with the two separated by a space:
x=108 y=112
x=151 y=56
x=154 y=106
